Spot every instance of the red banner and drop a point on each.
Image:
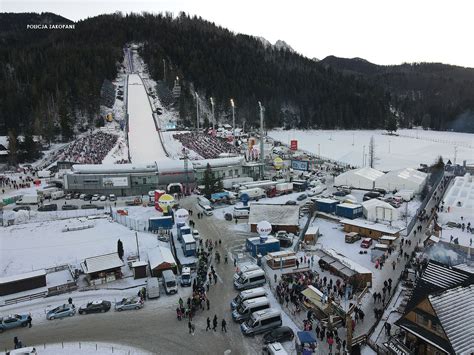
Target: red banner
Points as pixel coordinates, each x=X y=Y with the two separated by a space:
x=294 y=144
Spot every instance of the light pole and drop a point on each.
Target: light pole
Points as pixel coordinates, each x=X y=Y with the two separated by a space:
x=363 y=156
x=262 y=161
x=213 y=115
x=233 y=118
x=197 y=111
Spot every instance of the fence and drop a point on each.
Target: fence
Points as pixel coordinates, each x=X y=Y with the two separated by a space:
x=86 y=348
x=425 y=201
x=132 y=223
x=33 y=217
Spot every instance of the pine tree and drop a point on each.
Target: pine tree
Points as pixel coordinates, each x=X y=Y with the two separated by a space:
x=391 y=124
x=372 y=152
x=120 y=249
x=12 y=148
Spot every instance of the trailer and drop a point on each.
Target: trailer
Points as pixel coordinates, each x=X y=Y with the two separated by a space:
x=300 y=185
x=349 y=210
x=157 y=223
x=263 y=184
x=280 y=189
x=188 y=245
x=326 y=205
x=183 y=230
x=254 y=193
x=232 y=183
x=28 y=200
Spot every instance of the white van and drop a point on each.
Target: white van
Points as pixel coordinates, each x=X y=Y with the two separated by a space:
x=261 y=321
x=250 y=279
x=241 y=212
x=245 y=310
x=56 y=195
x=207 y=210
x=247 y=295
x=152 y=287
x=169 y=280
x=246 y=268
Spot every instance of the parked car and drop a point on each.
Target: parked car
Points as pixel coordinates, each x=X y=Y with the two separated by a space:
x=285 y=240
x=290 y=202
x=95 y=197
x=341 y=193
x=66 y=310
x=98 y=306
x=366 y=243
x=68 y=196
x=280 y=334
x=302 y=197
x=87 y=197
x=69 y=207
x=46 y=208
x=352 y=237
x=129 y=303
x=13 y=321
x=371 y=195
x=77 y=195
x=20 y=208
x=112 y=197
x=196 y=235
x=89 y=207
x=103 y=198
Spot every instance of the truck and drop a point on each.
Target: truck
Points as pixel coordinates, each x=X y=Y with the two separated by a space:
x=264 y=184
x=232 y=183
x=28 y=200
x=47 y=191
x=56 y=195
x=281 y=188
x=157 y=223
x=254 y=193
x=182 y=231
x=44 y=174
x=300 y=185
x=224 y=196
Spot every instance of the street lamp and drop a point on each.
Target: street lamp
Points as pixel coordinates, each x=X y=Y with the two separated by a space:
x=213 y=115
x=197 y=111
x=262 y=111
x=233 y=117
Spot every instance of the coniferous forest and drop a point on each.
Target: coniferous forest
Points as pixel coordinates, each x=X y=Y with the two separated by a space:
x=50 y=80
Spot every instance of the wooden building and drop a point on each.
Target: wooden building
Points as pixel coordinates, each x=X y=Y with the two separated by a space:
x=369 y=229
x=22 y=282
x=102 y=268
x=281 y=217
x=161 y=259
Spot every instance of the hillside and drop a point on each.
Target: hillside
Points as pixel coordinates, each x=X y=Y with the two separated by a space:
x=432 y=95
x=49 y=82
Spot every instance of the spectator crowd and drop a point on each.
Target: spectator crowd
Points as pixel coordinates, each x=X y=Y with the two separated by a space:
x=90 y=149
x=207 y=146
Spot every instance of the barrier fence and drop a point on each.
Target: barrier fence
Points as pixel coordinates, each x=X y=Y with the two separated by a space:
x=34 y=217
x=130 y=222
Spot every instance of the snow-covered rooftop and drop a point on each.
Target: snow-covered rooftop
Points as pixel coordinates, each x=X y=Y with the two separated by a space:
x=349 y=205
x=219 y=162
x=27 y=275
x=102 y=262
x=442 y=276
x=460 y=196
x=160 y=255
x=455 y=311
x=374 y=226
x=278 y=215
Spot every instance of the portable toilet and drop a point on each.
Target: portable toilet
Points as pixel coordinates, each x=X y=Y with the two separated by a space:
x=188 y=245
x=349 y=210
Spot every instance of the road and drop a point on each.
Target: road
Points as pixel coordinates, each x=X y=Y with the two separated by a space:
x=155 y=327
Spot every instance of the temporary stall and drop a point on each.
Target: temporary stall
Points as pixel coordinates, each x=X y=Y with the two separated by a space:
x=363 y=178
x=281 y=259
x=257 y=245
x=311 y=235
x=349 y=210
x=103 y=268
x=369 y=229
x=376 y=210
x=160 y=259
x=403 y=179
x=326 y=205
x=139 y=269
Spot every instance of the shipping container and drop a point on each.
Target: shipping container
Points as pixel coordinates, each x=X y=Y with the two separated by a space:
x=255 y=246
x=155 y=223
x=326 y=205
x=349 y=210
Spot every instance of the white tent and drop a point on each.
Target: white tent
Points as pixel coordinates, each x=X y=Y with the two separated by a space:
x=363 y=178
x=376 y=210
x=460 y=196
x=403 y=179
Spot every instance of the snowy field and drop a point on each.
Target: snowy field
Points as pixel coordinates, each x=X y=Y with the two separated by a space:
x=409 y=149
x=34 y=246
x=144 y=142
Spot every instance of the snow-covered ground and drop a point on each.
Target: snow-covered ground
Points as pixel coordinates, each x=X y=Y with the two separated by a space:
x=34 y=246
x=144 y=141
x=409 y=149
x=87 y=348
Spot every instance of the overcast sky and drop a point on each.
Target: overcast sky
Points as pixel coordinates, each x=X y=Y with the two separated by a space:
x=381 y=31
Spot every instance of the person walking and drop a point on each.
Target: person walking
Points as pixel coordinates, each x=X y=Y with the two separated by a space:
x=207 y=303
x=214 y=323
x=70 y=302
x=29 y=319
x=223 y=324
x=208 y=321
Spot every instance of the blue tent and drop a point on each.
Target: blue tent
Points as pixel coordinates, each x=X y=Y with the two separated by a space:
x=306 y=337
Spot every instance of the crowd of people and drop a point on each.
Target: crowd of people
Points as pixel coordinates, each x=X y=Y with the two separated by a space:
x=15 y=184
x=89 y=149
x=205 y=145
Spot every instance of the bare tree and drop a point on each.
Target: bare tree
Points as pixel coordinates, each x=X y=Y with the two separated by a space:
x=372 y=152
